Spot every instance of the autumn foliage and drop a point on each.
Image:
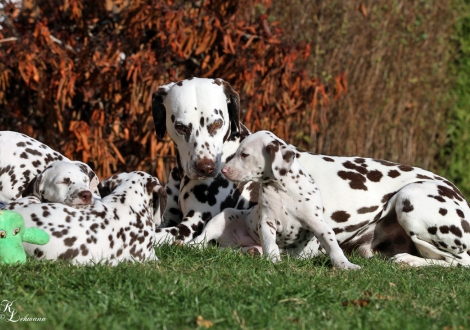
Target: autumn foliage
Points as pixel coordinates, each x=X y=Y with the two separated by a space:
x=79 y=75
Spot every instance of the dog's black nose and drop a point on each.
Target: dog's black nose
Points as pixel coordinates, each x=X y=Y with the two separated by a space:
x=85 y=196
x=205 y=167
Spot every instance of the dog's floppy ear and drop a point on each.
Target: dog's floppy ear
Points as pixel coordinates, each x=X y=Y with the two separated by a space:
x=32 y=189
x=106 y=187
x=282 y=158
x=94 y=181
x=160 y=199
x=159 y=111
x=233 y=105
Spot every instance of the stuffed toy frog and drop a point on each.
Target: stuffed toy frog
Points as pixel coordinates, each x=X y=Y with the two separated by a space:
x=12 y=235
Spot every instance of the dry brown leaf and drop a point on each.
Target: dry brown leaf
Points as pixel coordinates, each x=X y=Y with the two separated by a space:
x=363 y=9
x=204 y=323
x=357 y=302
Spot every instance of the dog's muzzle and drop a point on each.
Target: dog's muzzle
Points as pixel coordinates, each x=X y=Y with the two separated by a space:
x=206 y=168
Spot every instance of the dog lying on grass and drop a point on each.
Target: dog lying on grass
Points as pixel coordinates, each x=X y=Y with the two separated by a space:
x=30 y=168
x=289 y=214
x=121 y=226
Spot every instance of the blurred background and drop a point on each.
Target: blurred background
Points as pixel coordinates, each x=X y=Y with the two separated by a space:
x=380 y=78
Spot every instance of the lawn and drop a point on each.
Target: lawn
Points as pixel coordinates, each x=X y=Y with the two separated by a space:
x=191 y=289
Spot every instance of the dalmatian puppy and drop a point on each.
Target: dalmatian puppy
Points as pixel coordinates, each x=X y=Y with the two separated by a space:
x=121 y=226
x=32 y=168
x=201 y=116
x=66 y=182
x=412 y=215
x=289 y=211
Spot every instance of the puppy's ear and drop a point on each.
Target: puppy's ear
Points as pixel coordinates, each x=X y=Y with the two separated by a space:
x=107 y=186
x=94 y=181
x=160 y=199
x=233 y=105
x=32 y=188
x=159 y=111
x=282 y=158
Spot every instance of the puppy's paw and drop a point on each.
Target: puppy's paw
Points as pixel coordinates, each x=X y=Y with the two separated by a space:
x=347 y=265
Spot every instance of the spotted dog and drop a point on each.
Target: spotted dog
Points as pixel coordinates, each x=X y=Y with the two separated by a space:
x=121 y=226
x=412 y=215
x=202 y=118
x=29 y=167
x=355 y=190
x=289 y=211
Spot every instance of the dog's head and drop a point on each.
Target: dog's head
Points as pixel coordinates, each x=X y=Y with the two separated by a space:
x=261 y=157
x=145 y=187
x=71 y=183
x=200 y=115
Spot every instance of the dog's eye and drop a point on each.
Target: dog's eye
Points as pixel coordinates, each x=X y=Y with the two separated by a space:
x=183 y=129
x=16 y=231
x=212 y=128
x=3 y=234
x=244 y=155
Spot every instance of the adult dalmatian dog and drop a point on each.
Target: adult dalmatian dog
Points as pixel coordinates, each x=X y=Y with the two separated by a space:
x=404 y=212
x=119 y=227
x=30 y=168
x=202 y=118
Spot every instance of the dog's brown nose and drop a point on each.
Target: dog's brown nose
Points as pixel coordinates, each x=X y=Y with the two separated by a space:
x=205 y=167
x=85 y=196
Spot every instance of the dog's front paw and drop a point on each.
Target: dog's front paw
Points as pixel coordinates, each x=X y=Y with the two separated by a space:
x=274 y=258
x=407 y=259
x=347 y=265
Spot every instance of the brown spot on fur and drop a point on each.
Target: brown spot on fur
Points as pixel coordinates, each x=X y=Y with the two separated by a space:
x=356 y=180
x=340 y=216
x=374 y=176
x=465 y=226
x=393 y=173
x=363 y=210
x=407 y=207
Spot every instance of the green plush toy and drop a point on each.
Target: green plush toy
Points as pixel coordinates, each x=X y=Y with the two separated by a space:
x=12 y=235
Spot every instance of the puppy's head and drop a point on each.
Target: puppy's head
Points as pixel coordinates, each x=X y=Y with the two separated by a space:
x=138 y=184
x=199 y=116
x=261 y=157
x=70 y=183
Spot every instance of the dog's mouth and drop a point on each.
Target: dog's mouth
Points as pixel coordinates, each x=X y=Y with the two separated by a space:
x=79 y=201
x=233 y=178
x=195 y=174
x=79 y=204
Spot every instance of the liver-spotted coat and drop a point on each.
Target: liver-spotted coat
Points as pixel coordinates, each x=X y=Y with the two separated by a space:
x=404 y=212
x=356 y=191
x=119 y=227
x=26 y=165
x=201 y=116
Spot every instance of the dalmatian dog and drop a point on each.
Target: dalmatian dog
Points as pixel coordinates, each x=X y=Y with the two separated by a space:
x=30 y=168
x=356 y=191
x=289 y=210
x=121 y=226
x=412 y=215
x=201 y=116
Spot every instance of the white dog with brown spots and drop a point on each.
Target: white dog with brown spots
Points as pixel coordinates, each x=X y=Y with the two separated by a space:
x=412 y=215
x=289 y=213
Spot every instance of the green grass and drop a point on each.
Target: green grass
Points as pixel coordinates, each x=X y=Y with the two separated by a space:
x=236 y=291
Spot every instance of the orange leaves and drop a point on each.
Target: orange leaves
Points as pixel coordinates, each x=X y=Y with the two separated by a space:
x=92 y=68
x=341 y=85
